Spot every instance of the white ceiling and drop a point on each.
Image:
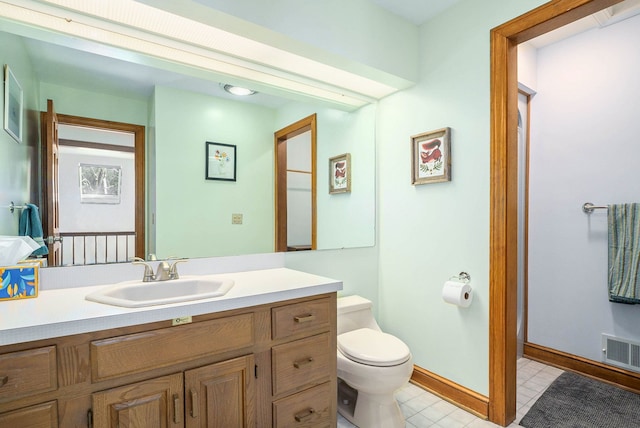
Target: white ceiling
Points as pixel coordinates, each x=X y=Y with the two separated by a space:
x=57 y=62
x=60 y=65
x=603 y=18
x=416 y=11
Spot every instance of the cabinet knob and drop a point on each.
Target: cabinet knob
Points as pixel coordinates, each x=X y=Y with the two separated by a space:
x=304 y=415
x=4 y=380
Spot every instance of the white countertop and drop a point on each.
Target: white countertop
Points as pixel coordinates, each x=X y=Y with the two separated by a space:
x=62 y=312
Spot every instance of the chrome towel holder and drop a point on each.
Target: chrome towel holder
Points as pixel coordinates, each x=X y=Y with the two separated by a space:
x=12 y=207
x=588 y=207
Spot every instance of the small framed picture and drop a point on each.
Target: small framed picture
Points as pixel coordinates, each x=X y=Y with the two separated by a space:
x=340 y=174
x=13 y=112
x=431 y=157
x=221 y=161
x=100 y=184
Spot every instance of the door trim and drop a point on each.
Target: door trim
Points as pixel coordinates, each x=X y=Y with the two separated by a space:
x=138 y=132
x=280 y=168
x=504 y=192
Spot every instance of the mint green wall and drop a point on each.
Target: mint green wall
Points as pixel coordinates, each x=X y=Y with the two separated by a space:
x=194 y=217
x=355 y=267
x=19 y=172
x=430 y=232
x=78 y=102
x=344 y=220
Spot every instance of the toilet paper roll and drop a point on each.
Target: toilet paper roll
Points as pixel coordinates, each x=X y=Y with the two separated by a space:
x=457 y=293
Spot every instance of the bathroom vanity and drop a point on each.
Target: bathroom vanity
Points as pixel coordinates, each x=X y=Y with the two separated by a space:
x=262 y=355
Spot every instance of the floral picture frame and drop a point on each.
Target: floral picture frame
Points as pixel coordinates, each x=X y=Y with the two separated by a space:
x=13 y=111
x=431 y=157
x=340 y=174
x=221 y=161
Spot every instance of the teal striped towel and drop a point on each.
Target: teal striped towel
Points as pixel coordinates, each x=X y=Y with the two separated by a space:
x=624 y=253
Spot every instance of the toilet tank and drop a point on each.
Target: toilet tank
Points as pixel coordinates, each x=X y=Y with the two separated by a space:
x=355 y=312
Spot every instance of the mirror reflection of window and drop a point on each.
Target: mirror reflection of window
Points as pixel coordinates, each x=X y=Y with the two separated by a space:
x=97 y=210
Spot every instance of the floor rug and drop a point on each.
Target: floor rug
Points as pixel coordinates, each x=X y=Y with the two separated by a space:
x=575 y=401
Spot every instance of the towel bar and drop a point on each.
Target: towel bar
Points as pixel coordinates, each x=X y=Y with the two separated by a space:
x=13 y=207
x=588 y=207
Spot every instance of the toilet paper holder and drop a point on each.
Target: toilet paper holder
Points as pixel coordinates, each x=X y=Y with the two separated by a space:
x=463 y=277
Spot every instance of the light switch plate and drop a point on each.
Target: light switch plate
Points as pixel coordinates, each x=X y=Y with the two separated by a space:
x=236 y=218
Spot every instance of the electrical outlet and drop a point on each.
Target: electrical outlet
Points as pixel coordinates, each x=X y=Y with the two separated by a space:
x=236 y=218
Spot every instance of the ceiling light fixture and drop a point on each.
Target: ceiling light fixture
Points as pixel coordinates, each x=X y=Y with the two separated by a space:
x=238 y=90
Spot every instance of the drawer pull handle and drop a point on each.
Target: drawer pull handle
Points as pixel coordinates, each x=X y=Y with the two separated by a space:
x=304 y=318
x=300 y=363
x=176 y=409
x=194 y=403
x=4 y=380
x=304 y=415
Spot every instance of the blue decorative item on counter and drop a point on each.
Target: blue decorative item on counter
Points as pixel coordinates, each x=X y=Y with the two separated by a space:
x=18 y=282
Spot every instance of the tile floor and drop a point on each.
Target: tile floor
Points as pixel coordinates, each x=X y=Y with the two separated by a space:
x=423 y=409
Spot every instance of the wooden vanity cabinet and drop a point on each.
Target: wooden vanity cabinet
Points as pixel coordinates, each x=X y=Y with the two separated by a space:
x=43 y=415
x=221 y=395
x=152 y=403
x=215 y=396
x=268 y=365
x=304 y=364
x=29 y=373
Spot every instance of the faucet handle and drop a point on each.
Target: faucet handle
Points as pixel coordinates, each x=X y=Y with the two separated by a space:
x=173 y=271
x=148 y=272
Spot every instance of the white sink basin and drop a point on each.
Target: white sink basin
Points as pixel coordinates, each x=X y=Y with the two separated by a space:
x=134 y=294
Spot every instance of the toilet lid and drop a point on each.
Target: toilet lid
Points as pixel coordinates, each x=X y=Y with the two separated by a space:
x=373 y=347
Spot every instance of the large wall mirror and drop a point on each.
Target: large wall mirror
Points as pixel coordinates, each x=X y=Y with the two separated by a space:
x=182 y=109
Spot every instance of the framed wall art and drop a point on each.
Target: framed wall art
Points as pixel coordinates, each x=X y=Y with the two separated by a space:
x=13 y=111
x=431 y=157
x=340 y=174
x=221 y=161
x=100 y=184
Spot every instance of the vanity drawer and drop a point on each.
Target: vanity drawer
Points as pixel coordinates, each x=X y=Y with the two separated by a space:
x=134 y=353
x=310 y=408
x=300 y=317
x=42 y=416
x=28 y=373
x=301 y=363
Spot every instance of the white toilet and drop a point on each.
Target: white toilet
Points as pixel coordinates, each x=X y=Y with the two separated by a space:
x=372 y=365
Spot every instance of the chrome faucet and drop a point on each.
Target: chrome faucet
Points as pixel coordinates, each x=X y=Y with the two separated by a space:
x=173 y=270
x=164 y=272
x=148 y=275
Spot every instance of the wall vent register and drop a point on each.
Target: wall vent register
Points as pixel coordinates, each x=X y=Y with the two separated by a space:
x=621 y=352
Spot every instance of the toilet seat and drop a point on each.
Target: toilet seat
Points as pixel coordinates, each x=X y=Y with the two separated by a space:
x=373 y=348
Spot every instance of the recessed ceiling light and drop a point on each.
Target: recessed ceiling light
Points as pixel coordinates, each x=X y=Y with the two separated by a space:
x=238 y=90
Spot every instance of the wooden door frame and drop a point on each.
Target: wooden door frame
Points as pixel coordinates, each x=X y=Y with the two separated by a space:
x=50 y=186
x=138 y=132
x=504 y=192
x=280 y=168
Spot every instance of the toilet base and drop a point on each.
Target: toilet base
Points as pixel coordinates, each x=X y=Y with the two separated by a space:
x=369 y=410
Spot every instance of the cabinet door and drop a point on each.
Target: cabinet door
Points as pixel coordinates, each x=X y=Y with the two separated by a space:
x=155 y=403
x=221 y=395
x=40 y=416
